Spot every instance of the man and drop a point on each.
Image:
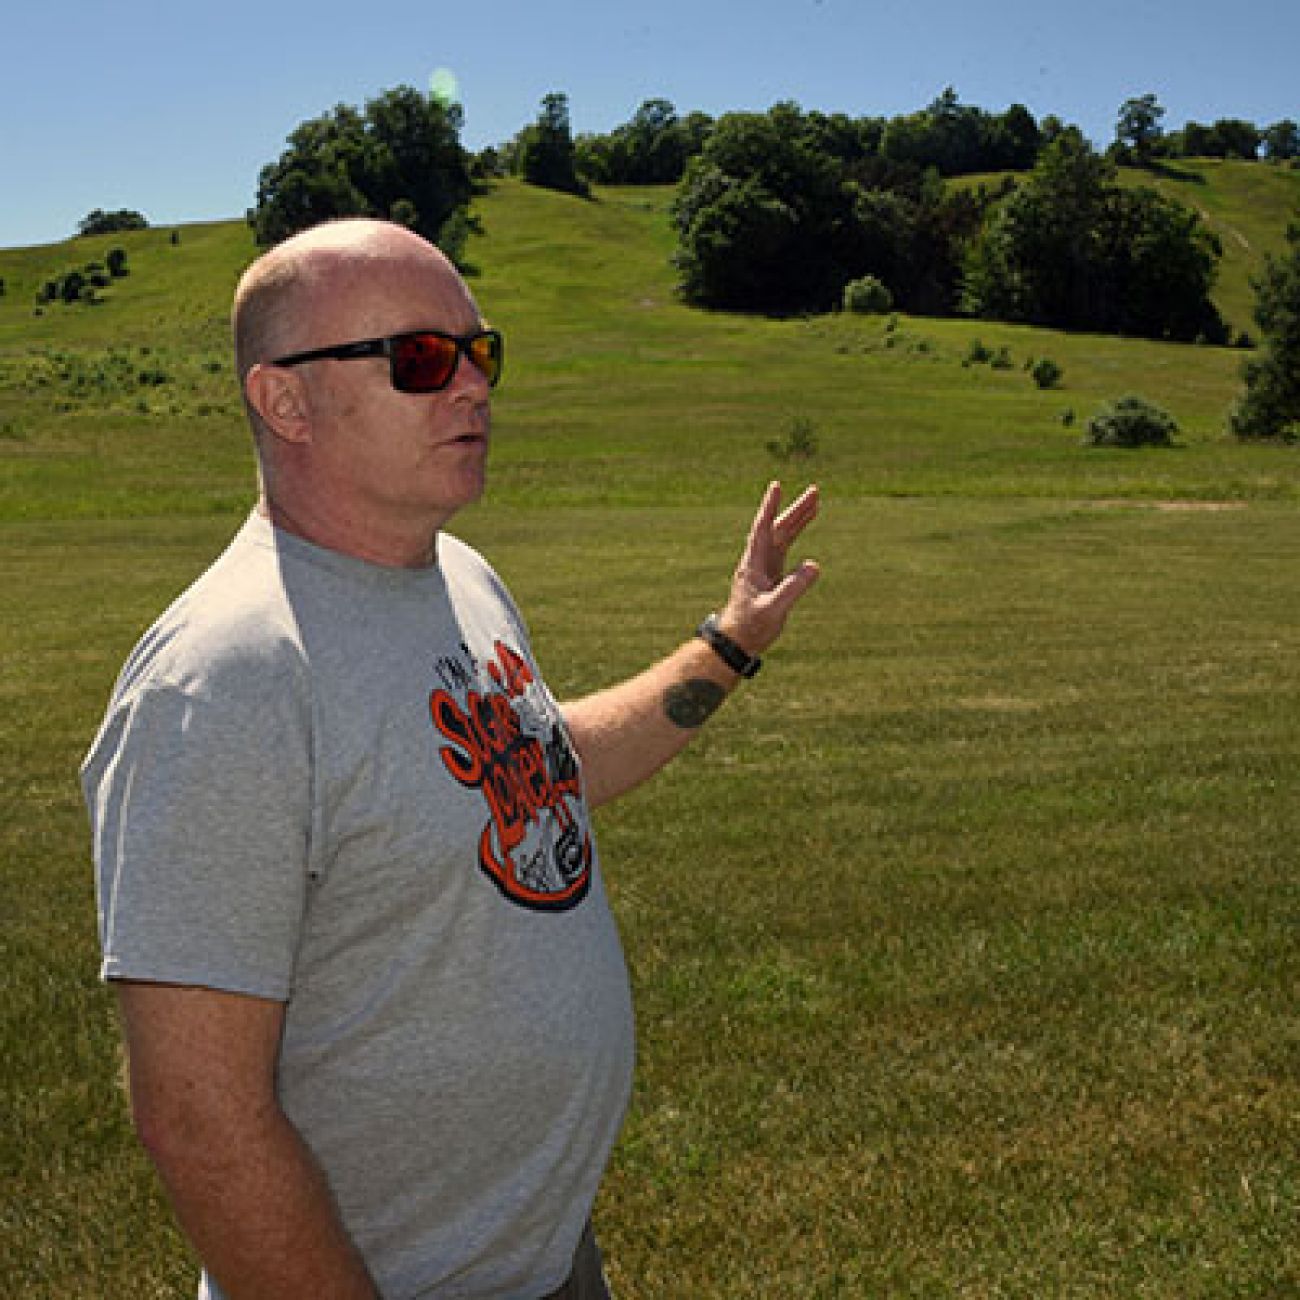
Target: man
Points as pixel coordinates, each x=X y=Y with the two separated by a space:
x=375 y=1007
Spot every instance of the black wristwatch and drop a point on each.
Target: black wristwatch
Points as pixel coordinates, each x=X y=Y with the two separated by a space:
x=738 y=660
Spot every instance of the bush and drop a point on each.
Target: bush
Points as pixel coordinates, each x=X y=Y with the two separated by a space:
x=1046 y=373
x=800 y=441
x=868 y=296
x=100 y=222
x=1131 y=422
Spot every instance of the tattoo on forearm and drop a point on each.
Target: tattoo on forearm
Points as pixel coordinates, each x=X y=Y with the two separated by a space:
x=690 y=704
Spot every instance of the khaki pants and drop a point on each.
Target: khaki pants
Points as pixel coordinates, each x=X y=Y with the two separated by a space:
x=587 y=1281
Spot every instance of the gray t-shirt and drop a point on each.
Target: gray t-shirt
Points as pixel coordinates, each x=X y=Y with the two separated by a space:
x=345 y=787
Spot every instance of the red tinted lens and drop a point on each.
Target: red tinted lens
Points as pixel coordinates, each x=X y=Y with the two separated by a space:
x=485 y=353
x=423 y=363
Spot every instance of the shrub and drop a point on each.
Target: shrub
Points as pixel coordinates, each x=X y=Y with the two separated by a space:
x=977 y=354
x=868 y=296
x=1131 y=422
x=1046 y=373
x=800 y=441
x=71 y=286
x=100 y=222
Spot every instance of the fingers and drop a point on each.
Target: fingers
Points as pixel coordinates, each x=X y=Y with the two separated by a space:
x=771 y=534
x=798 y=516
x=792 y=587
x=762 y=593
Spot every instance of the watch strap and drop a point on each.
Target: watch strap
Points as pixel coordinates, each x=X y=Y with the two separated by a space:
x=738 y=660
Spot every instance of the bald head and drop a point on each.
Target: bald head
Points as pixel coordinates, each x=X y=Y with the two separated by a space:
x=301 y=286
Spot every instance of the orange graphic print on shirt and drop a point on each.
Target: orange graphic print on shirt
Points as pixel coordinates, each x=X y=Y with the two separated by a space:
x=505 y=739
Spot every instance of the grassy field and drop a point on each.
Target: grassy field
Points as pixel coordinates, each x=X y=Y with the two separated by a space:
x=964 y=942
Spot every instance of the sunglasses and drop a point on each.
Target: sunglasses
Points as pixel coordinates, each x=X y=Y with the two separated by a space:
x=424 y=361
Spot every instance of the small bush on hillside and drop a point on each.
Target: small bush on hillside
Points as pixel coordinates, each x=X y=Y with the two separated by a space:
x=1131 y=422
x=978 y=354
x=800 y=442
x=868 y=296
x=1046 y=373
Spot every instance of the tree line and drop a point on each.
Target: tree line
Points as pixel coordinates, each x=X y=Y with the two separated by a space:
x=780 y=212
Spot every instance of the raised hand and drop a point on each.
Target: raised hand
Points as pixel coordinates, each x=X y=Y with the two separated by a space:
x=762 y=592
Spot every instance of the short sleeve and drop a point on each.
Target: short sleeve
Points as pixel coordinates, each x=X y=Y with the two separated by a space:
x=200 y=804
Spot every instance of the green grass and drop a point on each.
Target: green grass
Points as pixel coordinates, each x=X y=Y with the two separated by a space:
x=963 y=942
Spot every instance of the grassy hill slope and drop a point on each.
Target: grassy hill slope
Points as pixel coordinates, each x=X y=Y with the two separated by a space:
x=1247 y=205
x=614 y=390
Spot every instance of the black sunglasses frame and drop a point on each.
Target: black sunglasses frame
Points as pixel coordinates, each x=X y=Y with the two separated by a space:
x=387 y=347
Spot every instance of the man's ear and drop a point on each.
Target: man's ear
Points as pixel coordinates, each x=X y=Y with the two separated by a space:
x=277 y=395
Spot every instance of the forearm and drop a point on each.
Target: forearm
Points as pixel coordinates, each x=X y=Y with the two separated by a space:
x=243 y=1184
x=626 y=733
x=258 y=1211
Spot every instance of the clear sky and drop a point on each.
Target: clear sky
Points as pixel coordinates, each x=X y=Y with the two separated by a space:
x=172 y=107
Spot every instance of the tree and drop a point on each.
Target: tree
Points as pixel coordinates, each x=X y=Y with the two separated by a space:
x=1236 y=138
x=1138 y=127
x=1034 y=259
x=1010 y=142
x=100 y=222
x=1229 y=137
x=957 y=139
x=546 y=152
x=1158 y=262
x=1270 y=405
x=72 y=286
x=1070 y=248
x=650 y=149
x=400 y=159
x=780 y=210
x=762 y=217
x=1282 y=141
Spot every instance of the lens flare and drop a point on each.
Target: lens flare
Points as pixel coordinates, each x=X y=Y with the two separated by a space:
x=444 y=87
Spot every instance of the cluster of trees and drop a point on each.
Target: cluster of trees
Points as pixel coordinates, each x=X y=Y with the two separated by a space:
x=652 y=148
x=1070 y=248
x=775 y=214
x=1140 y=137
x=780 y=210
x=99 y=222
x=399 y=158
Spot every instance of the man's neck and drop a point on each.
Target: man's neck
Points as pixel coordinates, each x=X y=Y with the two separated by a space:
x=417 y=551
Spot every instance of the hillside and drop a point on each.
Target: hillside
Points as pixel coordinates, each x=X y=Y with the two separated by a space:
x=1247 y=205
x=614 y=390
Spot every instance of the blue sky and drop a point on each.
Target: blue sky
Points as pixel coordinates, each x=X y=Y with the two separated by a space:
x=172 y=107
